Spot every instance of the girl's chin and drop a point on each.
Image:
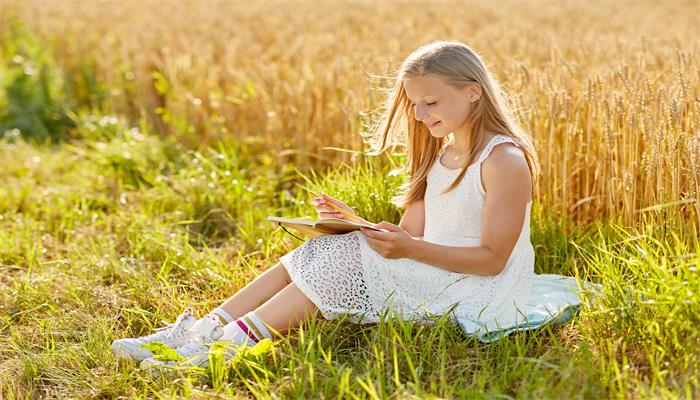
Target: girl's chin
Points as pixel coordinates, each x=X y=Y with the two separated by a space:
x=437 y=133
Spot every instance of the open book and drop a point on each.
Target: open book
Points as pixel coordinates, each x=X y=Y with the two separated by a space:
x=322 y=226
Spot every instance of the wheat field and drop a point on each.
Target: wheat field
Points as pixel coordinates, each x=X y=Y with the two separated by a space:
x=609 y=90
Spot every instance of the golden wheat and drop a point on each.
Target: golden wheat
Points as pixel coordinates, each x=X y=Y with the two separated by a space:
x=609 y=90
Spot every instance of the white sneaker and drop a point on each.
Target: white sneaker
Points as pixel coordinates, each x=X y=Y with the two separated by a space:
x=173 y=336
x=195 y=351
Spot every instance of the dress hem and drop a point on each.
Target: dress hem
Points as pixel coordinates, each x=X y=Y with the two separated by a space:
x=329 y=313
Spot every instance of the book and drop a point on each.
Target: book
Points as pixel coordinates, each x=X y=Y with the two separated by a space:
x=321 y=226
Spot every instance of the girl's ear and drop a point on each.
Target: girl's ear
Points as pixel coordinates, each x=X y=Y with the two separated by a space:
x=473 y=91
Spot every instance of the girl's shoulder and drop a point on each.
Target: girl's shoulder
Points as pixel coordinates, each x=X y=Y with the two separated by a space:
x=505 y=165
x=491 y=142
x=503 y=150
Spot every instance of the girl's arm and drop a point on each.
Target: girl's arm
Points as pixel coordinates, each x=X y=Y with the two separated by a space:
x=413 y=219
x=506 y=180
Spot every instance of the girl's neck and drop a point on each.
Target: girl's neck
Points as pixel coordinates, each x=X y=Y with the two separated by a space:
x=461 y=138
x=460 y=143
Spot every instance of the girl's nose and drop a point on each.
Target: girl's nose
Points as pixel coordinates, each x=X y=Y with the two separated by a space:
x=420 y=115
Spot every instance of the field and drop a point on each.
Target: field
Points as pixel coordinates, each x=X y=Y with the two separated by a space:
x=144 y=143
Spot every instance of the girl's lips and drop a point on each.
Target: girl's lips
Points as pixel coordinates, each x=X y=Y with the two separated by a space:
x=433 y=125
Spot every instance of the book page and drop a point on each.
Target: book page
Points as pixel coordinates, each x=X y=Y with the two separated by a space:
x=319 y=227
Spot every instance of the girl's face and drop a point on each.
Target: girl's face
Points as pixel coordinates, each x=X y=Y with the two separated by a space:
x=442 y=108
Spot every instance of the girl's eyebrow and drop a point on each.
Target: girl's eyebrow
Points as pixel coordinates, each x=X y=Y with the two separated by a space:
x=424 y=96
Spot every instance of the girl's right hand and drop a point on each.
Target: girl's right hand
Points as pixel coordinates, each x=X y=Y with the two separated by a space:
x=326 y=211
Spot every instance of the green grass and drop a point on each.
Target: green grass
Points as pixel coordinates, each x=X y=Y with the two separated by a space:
x=111 y=235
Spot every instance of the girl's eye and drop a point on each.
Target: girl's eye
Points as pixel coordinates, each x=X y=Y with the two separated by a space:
x=429 y=104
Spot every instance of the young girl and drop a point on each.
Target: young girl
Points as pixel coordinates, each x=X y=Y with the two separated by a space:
x=462 y=246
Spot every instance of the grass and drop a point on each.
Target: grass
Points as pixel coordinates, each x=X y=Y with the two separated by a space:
x=94 y=250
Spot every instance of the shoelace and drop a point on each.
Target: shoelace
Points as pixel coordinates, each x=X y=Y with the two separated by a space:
x=192 y=348
x=170 y=329
x=195 y=346
x=201 y=338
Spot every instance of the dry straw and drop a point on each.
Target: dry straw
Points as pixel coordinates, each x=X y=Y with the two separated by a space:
x=611 y=98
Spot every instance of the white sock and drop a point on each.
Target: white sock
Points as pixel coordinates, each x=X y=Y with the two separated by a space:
x=216 y=317
x=265 y=333
x=248 y=330
x=224 y=316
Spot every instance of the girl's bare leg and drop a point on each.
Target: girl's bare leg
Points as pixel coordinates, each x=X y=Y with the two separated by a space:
x=287 y=309
x=257 y=292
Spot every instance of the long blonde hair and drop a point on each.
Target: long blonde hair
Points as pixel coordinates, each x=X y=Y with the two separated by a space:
x=457 y=65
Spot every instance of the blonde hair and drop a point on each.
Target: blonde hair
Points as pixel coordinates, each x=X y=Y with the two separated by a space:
x=456 y=64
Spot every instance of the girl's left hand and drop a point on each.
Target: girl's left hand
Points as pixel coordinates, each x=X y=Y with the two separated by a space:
x=394 y=243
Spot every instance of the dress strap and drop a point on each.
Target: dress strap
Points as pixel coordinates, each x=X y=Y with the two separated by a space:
x=496 y=140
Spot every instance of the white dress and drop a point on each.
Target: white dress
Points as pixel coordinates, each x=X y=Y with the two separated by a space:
x=342 y=274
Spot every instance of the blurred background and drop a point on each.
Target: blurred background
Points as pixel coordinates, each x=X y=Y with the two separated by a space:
x=609 y=90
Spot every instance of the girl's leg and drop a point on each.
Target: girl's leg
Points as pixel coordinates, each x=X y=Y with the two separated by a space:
x=260 y=290
x=284 y=311
x=287 y=309
x=257 y=292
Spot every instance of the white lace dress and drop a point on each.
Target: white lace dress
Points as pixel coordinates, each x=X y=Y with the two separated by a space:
x=342 y=274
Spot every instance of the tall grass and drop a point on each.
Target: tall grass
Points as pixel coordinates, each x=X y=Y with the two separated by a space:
x=608 y=91
x=94 y=250
x=33 y=99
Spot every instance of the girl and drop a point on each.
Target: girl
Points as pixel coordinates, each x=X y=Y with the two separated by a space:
x=462 y=246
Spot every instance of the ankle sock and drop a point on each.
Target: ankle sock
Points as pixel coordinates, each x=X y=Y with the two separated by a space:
x=249 y=330
x=216 y=316
x=224 y=317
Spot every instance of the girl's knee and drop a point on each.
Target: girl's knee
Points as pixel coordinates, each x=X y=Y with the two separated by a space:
x=284 y=273
x=280 y=270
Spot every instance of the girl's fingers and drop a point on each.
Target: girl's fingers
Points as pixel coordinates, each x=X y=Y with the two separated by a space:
x=330 y=210
x=329 y=199
x=321 y=203
x=331 y=215
x=322 y=208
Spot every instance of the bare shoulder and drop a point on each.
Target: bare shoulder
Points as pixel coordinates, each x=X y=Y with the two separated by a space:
x=507 y=153
x=506 y=169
